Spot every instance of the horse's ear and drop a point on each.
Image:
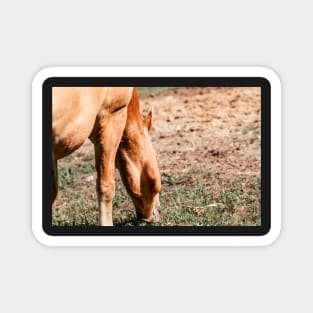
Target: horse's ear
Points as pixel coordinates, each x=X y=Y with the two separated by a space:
x=148 y=120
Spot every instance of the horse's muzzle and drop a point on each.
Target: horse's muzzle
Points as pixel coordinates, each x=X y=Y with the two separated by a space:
x=155 y=218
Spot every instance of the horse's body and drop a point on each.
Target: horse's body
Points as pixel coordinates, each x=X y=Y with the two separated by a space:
x=110 y=118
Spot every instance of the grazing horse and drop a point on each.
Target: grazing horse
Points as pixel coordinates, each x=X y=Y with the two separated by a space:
x=110 y=117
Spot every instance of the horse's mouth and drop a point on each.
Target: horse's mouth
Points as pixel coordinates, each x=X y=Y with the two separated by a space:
x=155 y=218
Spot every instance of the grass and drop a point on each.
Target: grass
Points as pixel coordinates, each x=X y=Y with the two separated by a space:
x=196 y=198
x=150 y=90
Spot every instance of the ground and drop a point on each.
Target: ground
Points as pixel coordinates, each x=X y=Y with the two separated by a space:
x=208 y=143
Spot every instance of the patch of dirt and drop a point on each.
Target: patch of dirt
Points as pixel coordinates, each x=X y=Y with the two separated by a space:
x=211 y=128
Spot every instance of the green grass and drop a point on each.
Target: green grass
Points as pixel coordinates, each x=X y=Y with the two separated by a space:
x=150 y=90
x=195 y=198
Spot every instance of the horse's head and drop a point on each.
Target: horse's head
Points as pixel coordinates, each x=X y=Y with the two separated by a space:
x=136 y=161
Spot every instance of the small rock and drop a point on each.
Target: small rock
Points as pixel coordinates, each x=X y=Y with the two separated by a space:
x=89 y=179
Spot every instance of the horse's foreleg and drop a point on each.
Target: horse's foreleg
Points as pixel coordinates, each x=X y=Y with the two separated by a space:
x=105 y=183
x=106 y=138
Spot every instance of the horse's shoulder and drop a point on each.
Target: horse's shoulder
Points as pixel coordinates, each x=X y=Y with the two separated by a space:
x=116 y=97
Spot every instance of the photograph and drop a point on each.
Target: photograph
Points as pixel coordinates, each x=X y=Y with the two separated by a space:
x=156 y=156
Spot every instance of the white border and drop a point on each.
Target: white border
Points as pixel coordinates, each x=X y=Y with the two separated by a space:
x=156 y=240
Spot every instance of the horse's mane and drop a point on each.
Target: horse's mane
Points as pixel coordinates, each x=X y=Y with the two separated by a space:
x=133 y=114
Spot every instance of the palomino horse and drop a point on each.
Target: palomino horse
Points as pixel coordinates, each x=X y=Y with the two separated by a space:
x=110 y=117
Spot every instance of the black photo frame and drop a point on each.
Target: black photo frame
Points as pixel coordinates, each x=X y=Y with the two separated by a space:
x=261 y=230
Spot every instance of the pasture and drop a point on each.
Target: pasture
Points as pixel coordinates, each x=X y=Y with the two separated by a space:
x=208 y=144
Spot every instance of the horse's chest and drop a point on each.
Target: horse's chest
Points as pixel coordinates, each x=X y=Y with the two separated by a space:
x=67 y=142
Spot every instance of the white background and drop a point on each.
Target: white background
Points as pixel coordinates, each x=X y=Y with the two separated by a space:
x=36 y=34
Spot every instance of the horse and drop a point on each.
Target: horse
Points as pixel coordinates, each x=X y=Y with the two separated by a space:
x=110 y=117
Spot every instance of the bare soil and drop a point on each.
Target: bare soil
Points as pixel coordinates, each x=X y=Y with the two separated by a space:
x=208 y=128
